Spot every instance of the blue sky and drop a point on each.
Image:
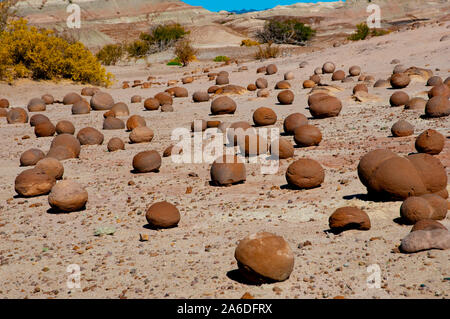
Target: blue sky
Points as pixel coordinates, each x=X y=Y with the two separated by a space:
x=217 y=5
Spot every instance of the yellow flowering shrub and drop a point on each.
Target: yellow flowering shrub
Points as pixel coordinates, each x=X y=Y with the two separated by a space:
x=26 y=51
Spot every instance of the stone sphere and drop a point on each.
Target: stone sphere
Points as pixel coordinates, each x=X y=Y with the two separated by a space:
x=315 y=78
x=427 y=224
x=213 y=89
x=68 y=196
x=89 y=91
x=360 y=88
x=166 y=108
x=400 y=80
x=234 y=130
x=252 y=87
x=354 y=70
x=36 y=105
x=120 y=109
x=81 y=107
x=227 y=170
x=44 y=129
x=178 y=91
x=286 y=97
x=264 y=116
x=151 y=104
x=289 y=76
x=434 y=80
x=307 y=135
x=33 y=182
x=307 y=84
x=48 y=99
x=271 y=69
x=198 y=125
x=325 y=106
x=71 y=98
x=141 y=134
x=37 y=119
x=305 y=173
x=292 y=121
x=430 y=141
x=135 y=121
x=115 y=144
x=328 y=67
x=60 y=153
x=381 y=84
x=282 y=85
x=16 y=115
x=113 y=123
x=67 y=141
x=102 y=101
x=416 y=103
x=399 y=69
x=318 y=71
x=65 y=127
x=90 y=136
x=147 y=161
x=223 y=105
x=136 y=99
x=51 y=166
x=200 y=96
x=439 y=90
x=428 y=206
x=438 y=106
x=349 y=217
x=338 y=75
x=402 y=128
x=284 y=150
x=163 y=215
x=222 y=80
x=263 y=93
x=261 y=83
x=31 y=157
x=4 y=103
x=264 y=258
x=164 y=98
x=252 y=144
x=399 y=98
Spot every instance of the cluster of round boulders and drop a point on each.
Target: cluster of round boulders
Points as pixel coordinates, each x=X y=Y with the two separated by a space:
x=164 y=98
x=349 y=217
x=292 y=121
x=328 y=67
x=102 y=101
x=416 y=103
x=271 y=69
x=65 y=127
x=36 y=105
x=439 y=90
x=51 y=166
x=325 y=106
x=399 y=98
x=428 y=206
x=120 y=109
x=305 y=173
x=354 y=70
x=113 y=123
x=400 y=80
x=147 y=161
x=136 y=99
x=200 y=96
x=44 y=129
x=261 y=83
x=281 y=148
x=162 y=215
x=286 y=97
x=16 y=115
x=402 y=128
x=37 y=119
x=115 y=144
x=264 y=116
x=307 y=135
x=33 y=182
x=227 y=170
x=141 y=134
x=338 y=75
x=31 y=157
x=437 y=106
x=90 y=136
x=425 y=239
x=264 y=258
x=360 y=88
x=64 y=146
x=223 y=105
x=71 y=98
x=135 y=121
x=282 y=85
x=389 y=176
x=89 y=91
x=430 y=142
x=68 y=196
x=81 y=107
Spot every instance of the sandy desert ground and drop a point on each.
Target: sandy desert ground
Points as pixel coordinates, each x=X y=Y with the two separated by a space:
x=196 y=259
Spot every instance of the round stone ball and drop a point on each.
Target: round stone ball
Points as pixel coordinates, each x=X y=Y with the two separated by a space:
x=430 y=142
x=271 y=69
x=438 y=106
x=48 y=99
x=120 y=109
x=90 y=136
x=264 y=116
x=227 y=170
x=135 y=121
x=261 y=83
x=37 y=119
x=349 y=217
x=51 y=166
x=200 y=96
x=360 y=88
x=4 y=103
x=65 y=127
x=223 y=105
x=354 y=70
x=281 y=148
x=81 y=107
x=163 y=215
x=113 y=123
x=68 y=196
x=115 y=144
x=89 y=91
x=67 y=141
x=289 y=76
x=434 y=80
x=292 y=121
x=399 y=98
x=264 y=258
x=416 y=104
x=282 y=85
x=328 y=67
x=164 y=98
x=402 y=128
x=338 y=75
x=285 y=97
x=307 y=135
x=305 y=173
x=44 y=129
x=33 y=182
x=325 y=106
x=147 y=161
x=136 y=99
x=141 y=134
x=71 y=98
x=31 y=156
x=102 y=101
x=16 y=115
x=36 y=105
x=400 y=80
x=222 y=80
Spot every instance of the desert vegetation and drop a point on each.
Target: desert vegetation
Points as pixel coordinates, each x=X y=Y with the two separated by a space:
x=363 y=31
x=285 y=32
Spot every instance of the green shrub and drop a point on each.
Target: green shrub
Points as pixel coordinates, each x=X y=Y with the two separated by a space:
x=221 y=58
x=185 y=52
x=40 y=54
x=138 y=49
x=363 y=31
x=110 y=54
x=175 y=61
x=164 y=36
x=285 y=32
x=249 y=43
